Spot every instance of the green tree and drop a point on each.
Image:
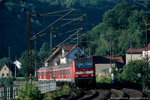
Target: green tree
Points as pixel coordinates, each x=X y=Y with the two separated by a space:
x=4 y=60
x=43 y=53
x=24 y=68
x=136 y=72
x=122 y=24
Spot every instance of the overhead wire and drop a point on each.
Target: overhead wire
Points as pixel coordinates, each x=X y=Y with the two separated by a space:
x=70 y=37
x=52 y=24
x=46 y=14
x=38 y=35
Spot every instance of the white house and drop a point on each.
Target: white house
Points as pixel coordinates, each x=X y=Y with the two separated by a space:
x=63 y=55
x=137 y=53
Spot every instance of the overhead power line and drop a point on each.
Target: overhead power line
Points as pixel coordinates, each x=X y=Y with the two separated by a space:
x=46 y=14
x=52 y=30
x=80 y=29
x=52 y=23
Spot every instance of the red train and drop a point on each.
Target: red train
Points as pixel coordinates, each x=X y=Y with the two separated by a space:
x=78 y=72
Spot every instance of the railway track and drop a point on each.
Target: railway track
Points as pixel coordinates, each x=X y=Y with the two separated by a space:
x=132 y=94
x=84 y=95
x=116 y=94
x=103 y=94
x=111 y=94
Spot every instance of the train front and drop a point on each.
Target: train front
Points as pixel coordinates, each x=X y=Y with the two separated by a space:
x=85 y=73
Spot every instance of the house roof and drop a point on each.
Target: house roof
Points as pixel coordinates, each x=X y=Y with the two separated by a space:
x=117 y=59
x=138 y=50
x=68 y=49
x=106 y=60
x=101 y=60
x=10 y=66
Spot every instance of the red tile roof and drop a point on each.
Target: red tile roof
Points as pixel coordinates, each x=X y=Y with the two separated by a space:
x=117 y=59
x=52 y=54
x=138 y=50
x=66 y=48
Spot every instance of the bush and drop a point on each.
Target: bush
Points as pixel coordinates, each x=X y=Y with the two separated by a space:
x=8 y=80
x=106 y=80
x=30 y=92
x=59 y=94
x=35 y=78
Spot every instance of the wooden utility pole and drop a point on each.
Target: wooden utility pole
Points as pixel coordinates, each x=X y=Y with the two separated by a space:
x=9 y=60
x=35 y=68
x=29 y=51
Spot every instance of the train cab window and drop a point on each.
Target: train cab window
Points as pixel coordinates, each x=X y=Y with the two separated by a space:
x=88 y=65
x=79 y=65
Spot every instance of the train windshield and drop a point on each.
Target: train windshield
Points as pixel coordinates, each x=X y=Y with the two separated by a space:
x=88 y=65
x=79 y=65
x=84 y=65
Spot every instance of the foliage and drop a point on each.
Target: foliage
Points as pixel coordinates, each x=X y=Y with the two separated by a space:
x=38 y=58
x=64 y=91
x=135 y=72
x=43 y=53
x=8 y=80
x=4 y=60
x=14 y=24
x=133 y=68
x=24 y=70
x=106 y=80
x=122 y=24
x=30 y=92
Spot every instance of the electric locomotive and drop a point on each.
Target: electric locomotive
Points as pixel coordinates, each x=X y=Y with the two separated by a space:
x=84 y=72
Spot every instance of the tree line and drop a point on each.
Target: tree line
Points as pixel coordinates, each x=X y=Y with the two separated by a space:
x=122 y=26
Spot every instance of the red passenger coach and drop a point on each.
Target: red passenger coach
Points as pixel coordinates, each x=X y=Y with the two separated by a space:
x=80 y=72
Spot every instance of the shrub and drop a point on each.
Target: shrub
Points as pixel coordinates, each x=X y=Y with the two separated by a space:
x=30 y=92
x=103 y=80
x=8 y=81
x=58 y=94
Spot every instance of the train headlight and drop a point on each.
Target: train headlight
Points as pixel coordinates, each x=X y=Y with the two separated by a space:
x=91 y=75
x=77 y=75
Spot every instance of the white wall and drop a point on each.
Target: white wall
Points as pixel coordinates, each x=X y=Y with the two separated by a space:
x=134 y=57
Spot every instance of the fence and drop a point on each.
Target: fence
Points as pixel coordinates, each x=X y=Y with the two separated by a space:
x=12 y=92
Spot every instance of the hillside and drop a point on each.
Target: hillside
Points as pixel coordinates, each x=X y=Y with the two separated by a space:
x=13 y=20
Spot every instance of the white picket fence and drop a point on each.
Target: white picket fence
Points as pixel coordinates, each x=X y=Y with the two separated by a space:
x=12 y=92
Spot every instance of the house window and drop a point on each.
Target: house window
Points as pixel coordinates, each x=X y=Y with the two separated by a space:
x=2 y=74
x=4 y=68
x=7 y=74
x=104 y=71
